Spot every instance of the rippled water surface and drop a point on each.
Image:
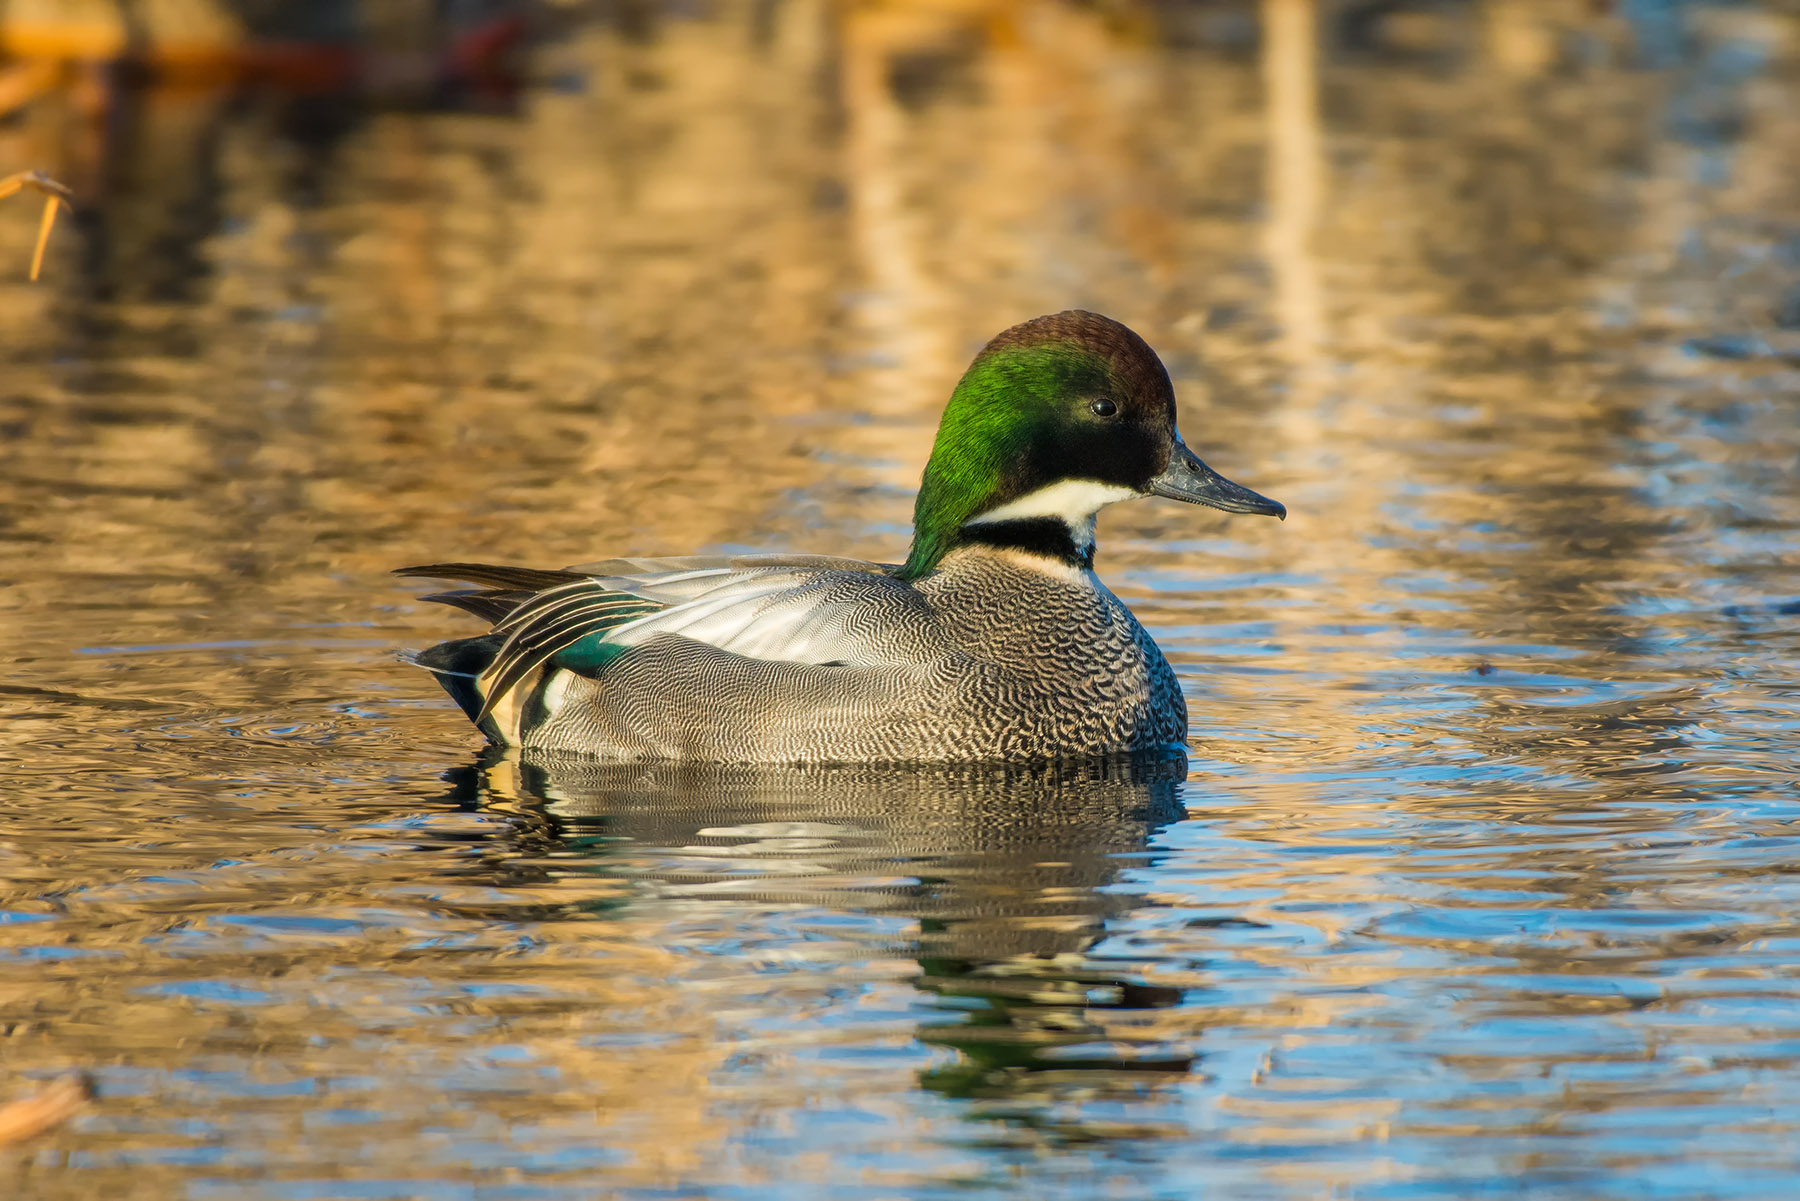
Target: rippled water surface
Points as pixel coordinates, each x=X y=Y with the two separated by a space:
x=1478 y=880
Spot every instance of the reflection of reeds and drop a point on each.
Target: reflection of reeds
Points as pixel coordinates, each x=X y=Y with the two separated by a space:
x=186 y=32
x=399 y=49
x=1290 y=77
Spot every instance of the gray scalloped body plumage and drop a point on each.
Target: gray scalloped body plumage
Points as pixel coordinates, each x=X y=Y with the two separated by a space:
x=995 y=641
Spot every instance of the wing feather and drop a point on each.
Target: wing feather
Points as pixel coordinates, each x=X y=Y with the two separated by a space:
x=492 y=605
x=640 y=567
x=815 y=609
x=679 y=580
x=549 y=623
x=800 y=617
x=488 y=575
x=548 y=604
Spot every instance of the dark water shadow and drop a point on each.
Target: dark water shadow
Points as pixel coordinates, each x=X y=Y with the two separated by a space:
x=998 y=881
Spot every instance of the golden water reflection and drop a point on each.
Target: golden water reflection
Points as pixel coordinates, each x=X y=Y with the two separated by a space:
x=1480 y=869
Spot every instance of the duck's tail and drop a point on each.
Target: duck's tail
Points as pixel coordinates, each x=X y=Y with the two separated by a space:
x=543 y=621
x=458 y=665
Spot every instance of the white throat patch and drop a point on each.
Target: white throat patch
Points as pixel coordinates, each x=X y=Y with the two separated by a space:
x=1073 y=501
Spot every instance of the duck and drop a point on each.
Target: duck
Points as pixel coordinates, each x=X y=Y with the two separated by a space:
x=994 y=641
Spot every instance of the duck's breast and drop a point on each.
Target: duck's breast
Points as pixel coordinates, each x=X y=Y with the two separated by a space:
x=1061 y=655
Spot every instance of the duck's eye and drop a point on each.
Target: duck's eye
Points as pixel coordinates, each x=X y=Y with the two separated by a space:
x=1104 y=407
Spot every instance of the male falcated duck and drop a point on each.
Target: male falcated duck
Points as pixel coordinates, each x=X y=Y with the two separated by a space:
x=994 y=640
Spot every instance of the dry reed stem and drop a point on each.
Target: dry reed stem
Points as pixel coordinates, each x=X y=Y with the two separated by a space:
x=55 y=194
x=30 y=1116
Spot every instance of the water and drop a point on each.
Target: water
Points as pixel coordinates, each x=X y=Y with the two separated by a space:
x=1478 y=878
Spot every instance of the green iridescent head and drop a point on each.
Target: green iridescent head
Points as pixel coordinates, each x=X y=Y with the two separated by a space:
x=1055 y=418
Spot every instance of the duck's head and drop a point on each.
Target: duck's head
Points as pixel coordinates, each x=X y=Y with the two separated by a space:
x=1055 y=419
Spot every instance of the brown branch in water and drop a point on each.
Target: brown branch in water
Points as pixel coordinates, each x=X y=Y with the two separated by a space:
x=55 y=195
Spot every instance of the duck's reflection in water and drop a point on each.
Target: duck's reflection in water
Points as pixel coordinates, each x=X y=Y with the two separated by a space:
x=1004 y=879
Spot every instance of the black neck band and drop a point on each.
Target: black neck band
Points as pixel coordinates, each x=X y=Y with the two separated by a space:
x=1047 y=536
